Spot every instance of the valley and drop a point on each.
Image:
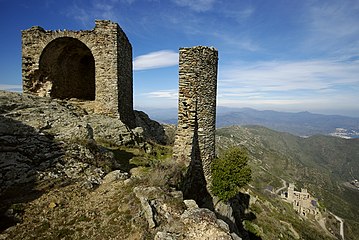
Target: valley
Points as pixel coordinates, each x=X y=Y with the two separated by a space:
x=324 y=165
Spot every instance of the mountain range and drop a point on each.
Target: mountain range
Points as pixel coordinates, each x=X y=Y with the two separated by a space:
x=300 y=123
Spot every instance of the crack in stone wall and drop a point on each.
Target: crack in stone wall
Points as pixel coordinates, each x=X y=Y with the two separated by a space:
x=91 y=65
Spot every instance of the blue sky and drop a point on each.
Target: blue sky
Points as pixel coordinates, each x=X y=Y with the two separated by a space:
x=281 y=55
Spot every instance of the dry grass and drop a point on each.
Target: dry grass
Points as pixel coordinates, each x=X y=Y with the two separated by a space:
x=109 y=212
x=164 y=174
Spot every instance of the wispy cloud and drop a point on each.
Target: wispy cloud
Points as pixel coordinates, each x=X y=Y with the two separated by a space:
x=125 y=1
x=333 y=27
x=158 y=59
x=168 y=94
x=79 y=14
x=335 y=104
x=105 y=10
x=337 y=19
x=238 y=42
x=239 y=15
x=211 y=30
x=166 y=98
x=86 y=11
x=198 y=6
x=284 y=76
x=285 y=85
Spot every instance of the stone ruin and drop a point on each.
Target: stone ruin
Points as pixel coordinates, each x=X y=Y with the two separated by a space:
x=303 y=203
x=92 y=65
x=96 y=65
x=195 y=137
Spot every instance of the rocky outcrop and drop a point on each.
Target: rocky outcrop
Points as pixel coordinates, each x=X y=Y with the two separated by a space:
x=47 y=141
x=234 y=212
x=152 y=130
x=203 y=224
x=172 y=218
x=43 y=138
x=64 y=120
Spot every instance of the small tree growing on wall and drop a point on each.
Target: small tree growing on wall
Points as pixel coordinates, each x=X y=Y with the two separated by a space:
x=229 y=173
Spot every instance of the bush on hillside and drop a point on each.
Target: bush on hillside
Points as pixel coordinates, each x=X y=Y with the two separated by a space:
x=229 y=173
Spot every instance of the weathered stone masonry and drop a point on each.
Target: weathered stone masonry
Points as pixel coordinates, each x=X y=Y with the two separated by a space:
x=195 y=137
x=96 y=65
x=89 y=65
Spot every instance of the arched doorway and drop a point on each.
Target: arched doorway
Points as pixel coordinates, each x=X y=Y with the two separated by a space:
x=69 y=66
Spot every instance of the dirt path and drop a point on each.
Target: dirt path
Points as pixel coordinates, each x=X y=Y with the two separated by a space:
x=341 y=225
x=284 y=186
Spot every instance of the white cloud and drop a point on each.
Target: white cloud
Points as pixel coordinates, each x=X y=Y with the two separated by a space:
x=198 y=5
x=314 y=85
x=169 y=94
x=260 y=102
x=289 y=76
x=158 y=59
x=167 y=98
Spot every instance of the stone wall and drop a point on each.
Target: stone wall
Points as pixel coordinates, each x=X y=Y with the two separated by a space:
x=88 y=65
x=302 y=202
x=195 y=137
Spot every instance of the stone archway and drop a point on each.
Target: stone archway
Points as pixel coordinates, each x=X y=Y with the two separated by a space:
x=68 y=67
x=90 y=65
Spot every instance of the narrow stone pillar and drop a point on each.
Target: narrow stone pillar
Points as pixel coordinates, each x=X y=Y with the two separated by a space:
x=195 y=137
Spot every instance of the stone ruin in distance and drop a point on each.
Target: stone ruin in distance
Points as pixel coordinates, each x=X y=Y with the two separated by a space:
x=96 y=65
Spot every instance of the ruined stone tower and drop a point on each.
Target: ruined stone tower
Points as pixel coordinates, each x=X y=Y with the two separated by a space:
x=195 y=137
x=92 y=65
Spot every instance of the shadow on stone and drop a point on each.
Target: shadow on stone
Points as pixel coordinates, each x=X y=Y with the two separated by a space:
x=240 y=206
x=24 y=153
x=152 y=130
x=123 y=157
x=194 y=185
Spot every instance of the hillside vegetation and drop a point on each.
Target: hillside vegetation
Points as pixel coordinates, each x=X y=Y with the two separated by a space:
x=67 y=173
x=322 y=164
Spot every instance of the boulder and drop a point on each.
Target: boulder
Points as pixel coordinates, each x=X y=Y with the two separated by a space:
x=115 y=175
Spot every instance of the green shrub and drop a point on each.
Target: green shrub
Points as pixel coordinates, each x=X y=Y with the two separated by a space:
x=252 y=228
x=229 y=173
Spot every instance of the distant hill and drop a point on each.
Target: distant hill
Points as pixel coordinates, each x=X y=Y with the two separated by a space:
x=322 y=164
x=300 y=124
x=162 y=115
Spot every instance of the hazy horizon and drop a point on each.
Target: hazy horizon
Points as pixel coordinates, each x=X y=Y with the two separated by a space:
x=231 y=109
x=18 y=89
